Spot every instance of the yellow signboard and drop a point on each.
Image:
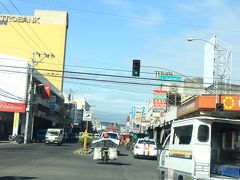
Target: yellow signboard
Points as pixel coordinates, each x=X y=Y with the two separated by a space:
x=16 y=120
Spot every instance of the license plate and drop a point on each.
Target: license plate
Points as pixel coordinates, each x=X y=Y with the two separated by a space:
x=146 y=149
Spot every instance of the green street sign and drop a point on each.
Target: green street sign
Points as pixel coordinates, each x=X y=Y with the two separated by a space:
x=170 y=78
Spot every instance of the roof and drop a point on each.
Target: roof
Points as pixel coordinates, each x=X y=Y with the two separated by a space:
x=208 y=118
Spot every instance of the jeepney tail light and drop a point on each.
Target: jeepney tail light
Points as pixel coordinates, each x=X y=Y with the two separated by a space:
x=155 y=148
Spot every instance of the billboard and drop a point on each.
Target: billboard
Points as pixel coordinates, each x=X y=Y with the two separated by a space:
x=209 y=62
x=159 y=100
x=13 y=83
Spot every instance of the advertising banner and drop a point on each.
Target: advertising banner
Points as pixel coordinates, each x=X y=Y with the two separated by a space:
x=159 y=100
x=12 y=107
x=46 y=91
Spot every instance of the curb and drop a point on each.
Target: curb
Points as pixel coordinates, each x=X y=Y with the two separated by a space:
x=81 y=152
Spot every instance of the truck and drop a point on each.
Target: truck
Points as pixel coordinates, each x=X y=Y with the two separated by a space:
x=54 y=136
x=201 y=148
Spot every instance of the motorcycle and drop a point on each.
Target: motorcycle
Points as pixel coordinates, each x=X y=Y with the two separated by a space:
x=104 y=153
x=104 y=150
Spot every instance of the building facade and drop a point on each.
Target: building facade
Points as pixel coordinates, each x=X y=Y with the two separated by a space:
x=42 y=34
x=41 y=41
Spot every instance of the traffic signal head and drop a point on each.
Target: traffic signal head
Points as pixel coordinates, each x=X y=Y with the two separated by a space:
x=219 y=107
x=136 y=68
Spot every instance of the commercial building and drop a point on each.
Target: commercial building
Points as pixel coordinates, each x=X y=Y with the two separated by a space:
x=42 y=34
x=41 y=41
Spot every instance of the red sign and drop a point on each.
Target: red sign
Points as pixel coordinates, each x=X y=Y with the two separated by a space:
x=160 y=99
x=46 y=91
x=12 y=107
x=158 y=91
x=159 y=104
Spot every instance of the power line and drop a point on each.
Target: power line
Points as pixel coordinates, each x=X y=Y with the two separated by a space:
x=22 y=28
x=30 y=27
x=10 y=94
x=106 y=75
x=134 y=17
x=122 y=70
x=31 y=30
x=20 y=34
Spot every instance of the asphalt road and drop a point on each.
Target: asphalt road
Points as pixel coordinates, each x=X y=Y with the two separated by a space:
x=37 y=161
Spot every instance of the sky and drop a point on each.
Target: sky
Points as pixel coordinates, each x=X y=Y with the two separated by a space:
x=109 y=34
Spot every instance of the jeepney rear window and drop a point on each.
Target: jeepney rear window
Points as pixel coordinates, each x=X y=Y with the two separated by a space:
x=203 y=133
x=182 y=135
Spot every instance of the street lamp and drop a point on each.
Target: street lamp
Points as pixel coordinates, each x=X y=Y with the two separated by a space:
x=194 y=39
x=215 y=47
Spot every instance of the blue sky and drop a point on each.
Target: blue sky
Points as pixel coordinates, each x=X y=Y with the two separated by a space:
x=110 y=33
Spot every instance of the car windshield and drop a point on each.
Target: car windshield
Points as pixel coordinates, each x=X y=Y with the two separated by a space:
x=72 y=70
x=146 y=142
x=112 y=135
x=53 y=133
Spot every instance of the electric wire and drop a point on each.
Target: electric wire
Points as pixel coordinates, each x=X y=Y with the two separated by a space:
x=30 y=26
x=22 y=28
x=110 y=81
x=122 y=70
x=134 y=17
x=118 y=82
x=10 y=94
x=20 y=34
x=60 y=67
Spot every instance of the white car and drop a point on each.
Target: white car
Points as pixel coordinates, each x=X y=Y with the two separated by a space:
x=113 y=136
x=145 y=148
x=54 y=136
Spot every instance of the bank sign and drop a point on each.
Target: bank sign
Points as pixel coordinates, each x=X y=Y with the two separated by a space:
x=19 y=19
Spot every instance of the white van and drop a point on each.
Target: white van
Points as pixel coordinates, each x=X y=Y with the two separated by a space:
x=201 y=148
x=54 y=136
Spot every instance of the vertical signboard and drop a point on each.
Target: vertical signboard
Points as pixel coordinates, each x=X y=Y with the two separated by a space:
x=159 y=100
x=15 y=123
x=52 y=105
x=133 y=116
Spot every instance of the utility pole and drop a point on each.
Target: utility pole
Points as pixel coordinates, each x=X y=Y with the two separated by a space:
x=29 y=96
x=29 y=99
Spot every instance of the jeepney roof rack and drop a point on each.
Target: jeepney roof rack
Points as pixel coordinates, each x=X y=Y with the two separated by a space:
x=224 y=114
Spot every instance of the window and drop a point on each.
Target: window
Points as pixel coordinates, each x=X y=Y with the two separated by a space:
x=203 y=133
x=112 y=135
x=231 y=140
x=182 y=135
x=146 y=142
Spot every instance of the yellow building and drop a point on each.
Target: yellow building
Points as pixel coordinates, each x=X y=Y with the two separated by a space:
x=45 y=32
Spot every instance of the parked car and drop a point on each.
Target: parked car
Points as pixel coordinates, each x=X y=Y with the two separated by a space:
x=145 y=148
